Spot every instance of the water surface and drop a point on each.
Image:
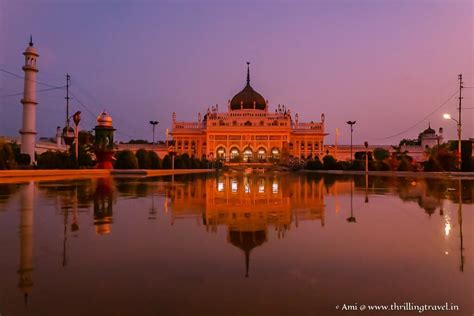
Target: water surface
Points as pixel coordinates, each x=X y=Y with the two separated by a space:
x=234 y=244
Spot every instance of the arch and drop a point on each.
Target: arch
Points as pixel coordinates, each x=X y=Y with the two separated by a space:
x=275 y=153
x=234 y=153
x=261 y=153
x=247 y=154
x=248 y=123
x=220 y=152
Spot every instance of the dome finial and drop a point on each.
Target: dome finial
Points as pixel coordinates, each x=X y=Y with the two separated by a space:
x=31 y=40
x=248 y=73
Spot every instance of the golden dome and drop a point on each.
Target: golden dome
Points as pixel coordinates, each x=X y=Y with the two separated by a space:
x=104 y=119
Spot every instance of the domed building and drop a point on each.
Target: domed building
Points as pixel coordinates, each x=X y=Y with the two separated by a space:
x=418 y=148
x=248 y=131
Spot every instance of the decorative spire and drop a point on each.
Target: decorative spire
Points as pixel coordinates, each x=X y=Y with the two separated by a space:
x=31 y=40
x=248 y=73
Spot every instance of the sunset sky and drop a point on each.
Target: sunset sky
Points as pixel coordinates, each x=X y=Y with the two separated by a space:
x=386 y=64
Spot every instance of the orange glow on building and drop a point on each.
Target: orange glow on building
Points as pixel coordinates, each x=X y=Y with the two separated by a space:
x=249 y=132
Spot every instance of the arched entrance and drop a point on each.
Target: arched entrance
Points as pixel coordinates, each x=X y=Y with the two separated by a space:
x=248 y=154
x=275 y=153
x=220 y=153
x=261 y=154
x=234 y=154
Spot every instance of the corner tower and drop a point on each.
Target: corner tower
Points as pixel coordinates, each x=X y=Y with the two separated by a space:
x=28 y=129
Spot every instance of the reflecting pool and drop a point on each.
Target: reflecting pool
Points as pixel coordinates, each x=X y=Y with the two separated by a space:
x=235 y=244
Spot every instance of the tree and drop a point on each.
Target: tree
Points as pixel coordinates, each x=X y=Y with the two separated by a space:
x=7 y=156
x=330 y=163
x=441 y=159
x=155 y=160
x=55 y=160
x=143 y=158
x=166 y=164
x=125 y=159
x=314 y=164
x=381 y=154
x=138 y=141
x=185 y=161
x=179 y=163
x=406 y=163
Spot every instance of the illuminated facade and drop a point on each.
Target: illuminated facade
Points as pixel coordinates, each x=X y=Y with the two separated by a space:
x=249 y=132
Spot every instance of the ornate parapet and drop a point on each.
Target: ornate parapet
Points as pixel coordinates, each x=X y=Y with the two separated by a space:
x=188 y=125
x=319 y=127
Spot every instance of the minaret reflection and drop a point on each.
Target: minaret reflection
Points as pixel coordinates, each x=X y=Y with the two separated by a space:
x=250 y=206
x=26 y=239
x=74 y=224
x=103 y=205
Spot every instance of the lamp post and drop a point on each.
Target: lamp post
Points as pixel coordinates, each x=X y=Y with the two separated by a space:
x=153 y=124
x=77 y=118
x=351 y=123
x=447 y=116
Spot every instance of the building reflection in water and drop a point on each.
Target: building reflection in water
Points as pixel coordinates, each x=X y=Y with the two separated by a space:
x=250 y=205
x=103 y=205
x=25 y=270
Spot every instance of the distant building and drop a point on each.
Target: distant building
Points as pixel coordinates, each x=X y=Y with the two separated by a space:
x=249 y=132
x=418 y=148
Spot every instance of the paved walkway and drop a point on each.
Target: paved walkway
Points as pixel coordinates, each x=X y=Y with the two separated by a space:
x=455 y=174
x=57 y=174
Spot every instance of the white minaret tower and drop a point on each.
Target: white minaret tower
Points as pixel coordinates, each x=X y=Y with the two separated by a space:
x=28 y=129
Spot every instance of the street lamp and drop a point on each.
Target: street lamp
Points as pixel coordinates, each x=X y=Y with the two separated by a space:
x=351 y=123
x=77 y=118
x=154 y=123
x=447 y=116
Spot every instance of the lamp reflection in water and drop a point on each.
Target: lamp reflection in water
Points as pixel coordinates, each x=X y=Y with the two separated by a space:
x=461 y=267
x=26 y=239
x=352 y=219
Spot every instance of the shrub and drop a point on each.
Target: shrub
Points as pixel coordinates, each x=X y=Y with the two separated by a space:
x=125 y=159
x=330 y=163
x=24 y=159
x=143 y=158
x=179 y=163
x=195 y=163
x=54 y=160
x=185 y=161
x=7 y=156
x=381 y=154
x=314 y=164
x=441 y=159
x=166 y=164
x=406 y=164
x=154 y=160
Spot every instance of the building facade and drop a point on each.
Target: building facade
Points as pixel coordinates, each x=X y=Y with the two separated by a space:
x=248 y=132
x=419 y=148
